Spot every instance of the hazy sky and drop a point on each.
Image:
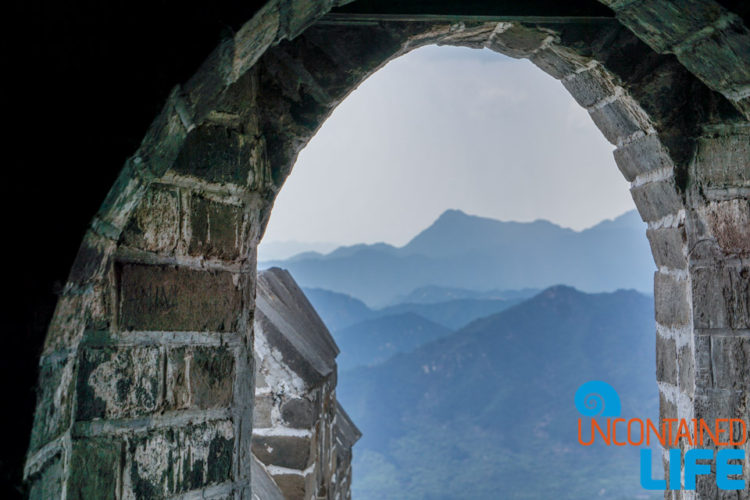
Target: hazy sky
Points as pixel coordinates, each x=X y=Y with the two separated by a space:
x=448 y=127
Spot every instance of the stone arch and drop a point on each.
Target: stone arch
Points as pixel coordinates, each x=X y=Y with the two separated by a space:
x=166 y=271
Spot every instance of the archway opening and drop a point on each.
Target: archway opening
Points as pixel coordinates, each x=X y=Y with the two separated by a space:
x=374 y=224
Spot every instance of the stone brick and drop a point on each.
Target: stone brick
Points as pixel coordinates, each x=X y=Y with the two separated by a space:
x=291 y=485
x=49 y=482
x=703 y=371
x=663 y=23
x=658 y=199
x=262 y=410
x=717 y=403
x=729 y=223
x=666 y=360
x=54 y=398
x=292 y=452
x=200 y=377
x=668 y=246
x=723 y=161
x=67 y=325
x=118 y=382
x=468 y=35
x=667 y=409
x=115 y=210
x=554 y=63
x=94 y=469
x=178 y=299
x=721 y=297
x=591 y=86
x=92 y=262
x=254 y=38
x=720 y=58
x=172 y=461
x=155 y=224
x=642 y=155
x=518 y=41
x=730 y=358
x=620 y=119
x=687 y=369
x=671 y=304
x=302 y=13
x=215 y=229
x=299 y=413
x=216 y=154
x=264 y=487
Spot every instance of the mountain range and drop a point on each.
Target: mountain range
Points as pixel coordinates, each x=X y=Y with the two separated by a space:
x=468 y=252
x=339 y=310
x=487 y=412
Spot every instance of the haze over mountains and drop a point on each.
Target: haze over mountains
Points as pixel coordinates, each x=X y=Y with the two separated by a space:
x=487 y=412
x=461 y=353
x=468 y=252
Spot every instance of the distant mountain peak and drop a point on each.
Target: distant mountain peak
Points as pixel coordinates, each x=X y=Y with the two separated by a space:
x=454 y=213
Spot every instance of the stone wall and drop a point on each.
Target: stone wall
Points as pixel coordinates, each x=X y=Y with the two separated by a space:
x=301 y=434
x=146 y=378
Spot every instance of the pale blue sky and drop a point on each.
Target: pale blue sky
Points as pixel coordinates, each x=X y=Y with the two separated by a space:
x=448 y=127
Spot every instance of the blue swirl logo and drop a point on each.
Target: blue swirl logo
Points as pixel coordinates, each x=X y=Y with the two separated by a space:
x=597 y=398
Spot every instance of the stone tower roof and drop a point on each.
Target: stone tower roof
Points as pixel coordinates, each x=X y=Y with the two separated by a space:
x=291 y=325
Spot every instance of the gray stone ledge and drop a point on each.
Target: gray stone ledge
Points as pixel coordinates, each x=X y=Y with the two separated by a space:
x=37 y=461
x=132 y=338
x=140 y=425
x=129 y=255
x=217 y=491
x=723 y=332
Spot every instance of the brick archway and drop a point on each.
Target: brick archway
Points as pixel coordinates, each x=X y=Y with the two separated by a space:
x=167 y=269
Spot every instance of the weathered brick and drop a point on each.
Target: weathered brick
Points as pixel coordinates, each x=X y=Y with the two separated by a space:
x=178 y=299
x=663 y=23
x=671 y=304
x=666 y=360
x=721 y=297
x=730 y=358
x=291 y=485
x=729 y=222
x=723 y=161
x=216 y=154
x=302 y=13
x=620 y=119
x=711 y=404
x=67 y=325
x=49 y=482
x=720 y=58
x=155 y=224
x=299 y=413
x=590 y=86
x=668 y=246
x=518 y=41
x=200 y=377
x=254 y=37
x=262 y=410
x=687 y=369
x=667 y=409
x=171 y=461
x=552 y=62
x=54 y=398
x=94 y=469
x=285 y=451
x=655 y=200
x=642 y=155
x=118 y=382
x=215 y=229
